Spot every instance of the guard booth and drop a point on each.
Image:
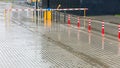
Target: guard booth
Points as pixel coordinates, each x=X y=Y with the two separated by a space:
x=33 y=2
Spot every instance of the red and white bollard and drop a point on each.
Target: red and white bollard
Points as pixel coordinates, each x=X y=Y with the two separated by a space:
x=78 y=24
x=103 y=30
x=16 y=10
x=89 y=25
x=119 y=32
x=68 y=20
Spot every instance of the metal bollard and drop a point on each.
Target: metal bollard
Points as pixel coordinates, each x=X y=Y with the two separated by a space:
x=59 y=16
x=38 y=16
x=64 y=16
x=84 y=17
x=55 y=16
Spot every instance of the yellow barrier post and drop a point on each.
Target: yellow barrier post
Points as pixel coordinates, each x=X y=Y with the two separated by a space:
x=45 y=18
x=11 y=5
x=49 y=14
x=9 y=15
x=5 y=13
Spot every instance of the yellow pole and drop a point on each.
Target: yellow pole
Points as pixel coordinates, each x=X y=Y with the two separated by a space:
x=11 y=6
x=49 y=15
x=5 y=11
x=9 y=16
x=84 y=17
x=5 y=14
x=45 y=18
x=9 y=11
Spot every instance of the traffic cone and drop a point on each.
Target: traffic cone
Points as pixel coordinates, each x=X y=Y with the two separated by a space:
x=78 y=24
x=68 y=20
x=103 y=30
x=89 y=25
x=16 y=10
x=119 y=32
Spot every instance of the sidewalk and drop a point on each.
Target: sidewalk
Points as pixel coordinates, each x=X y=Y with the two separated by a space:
x=107 y=18
x=95 y=50
x=22 y=48
x=98 y=51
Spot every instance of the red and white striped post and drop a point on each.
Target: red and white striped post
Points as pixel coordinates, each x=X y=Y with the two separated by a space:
x=78 y=24
x=89 y=25
x=103 y=30
x=68 y=20
x=119 y=32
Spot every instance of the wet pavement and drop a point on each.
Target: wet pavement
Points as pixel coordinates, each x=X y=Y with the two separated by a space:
x=20 y=47
x=108 y=18
x=25 y=44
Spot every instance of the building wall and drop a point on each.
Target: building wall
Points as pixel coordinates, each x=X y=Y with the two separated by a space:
x=96 y=7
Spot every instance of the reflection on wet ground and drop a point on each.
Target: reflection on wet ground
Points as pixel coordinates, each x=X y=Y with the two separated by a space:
x=23 y=45
x=53 y=45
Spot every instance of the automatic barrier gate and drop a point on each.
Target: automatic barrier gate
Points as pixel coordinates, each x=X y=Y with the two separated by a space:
x=47 y=12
